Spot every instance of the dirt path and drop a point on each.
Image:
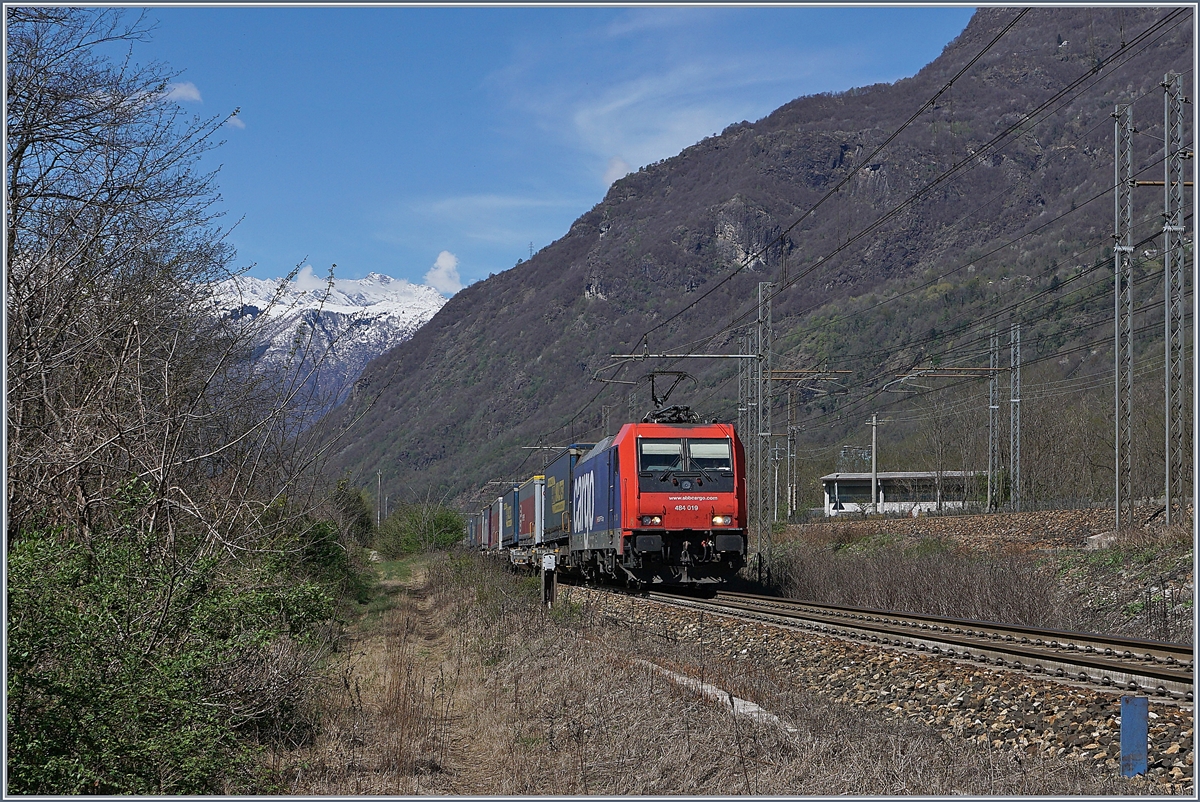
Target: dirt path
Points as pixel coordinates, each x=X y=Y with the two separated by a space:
x=385 y=720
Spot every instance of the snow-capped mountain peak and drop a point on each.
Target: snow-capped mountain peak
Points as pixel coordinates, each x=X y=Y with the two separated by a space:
x=374 y=295
x=351 y=321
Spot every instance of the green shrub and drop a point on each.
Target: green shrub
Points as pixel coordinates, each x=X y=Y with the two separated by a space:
x=354 y=512
x=324 y=557
x=416 y=528
x=133 y=671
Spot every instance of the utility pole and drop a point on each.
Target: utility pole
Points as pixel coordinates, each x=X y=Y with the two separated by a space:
x=776 y=456
x=1174 y=257
x=1123 y=313
x=378 y=499
x=993 y=422
x=874 y=464
x=1014 y=412
x=791 y=454
x=744 y=372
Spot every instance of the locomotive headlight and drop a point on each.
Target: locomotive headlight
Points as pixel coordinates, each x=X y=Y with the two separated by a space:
x=722 y=520
x=651 y=520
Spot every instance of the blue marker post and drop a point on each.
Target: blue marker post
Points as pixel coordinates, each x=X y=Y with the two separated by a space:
x=1134 y=715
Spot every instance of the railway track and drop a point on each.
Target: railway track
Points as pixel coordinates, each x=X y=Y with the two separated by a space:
x=1150 y=667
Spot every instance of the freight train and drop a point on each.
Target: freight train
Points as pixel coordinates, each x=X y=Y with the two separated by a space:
x=660 y=504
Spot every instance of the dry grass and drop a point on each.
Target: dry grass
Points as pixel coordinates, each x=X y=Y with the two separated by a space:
x=1175 y=535
x=934 y=577
x=471 y=687
x=387 y=717
x=1138 y=583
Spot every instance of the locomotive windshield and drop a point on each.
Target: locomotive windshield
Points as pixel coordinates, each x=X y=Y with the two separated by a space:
x=709 y=455
x=685 y=464
x=661 y=455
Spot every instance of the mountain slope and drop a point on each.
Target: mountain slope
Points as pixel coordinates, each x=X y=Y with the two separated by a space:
x=509 y=362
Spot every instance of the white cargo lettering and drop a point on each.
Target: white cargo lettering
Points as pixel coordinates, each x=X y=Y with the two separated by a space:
x=585 y=501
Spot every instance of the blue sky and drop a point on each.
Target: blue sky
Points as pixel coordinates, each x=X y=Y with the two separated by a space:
x=405 y=140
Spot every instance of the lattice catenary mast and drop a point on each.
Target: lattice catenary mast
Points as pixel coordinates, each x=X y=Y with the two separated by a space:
x=1174 y=259
x=1123 y=315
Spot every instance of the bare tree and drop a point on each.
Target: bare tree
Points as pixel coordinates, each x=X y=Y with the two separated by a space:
x=154 y=470
x=111 y=245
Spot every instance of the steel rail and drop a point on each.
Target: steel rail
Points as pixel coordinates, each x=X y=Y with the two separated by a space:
x=1109 y=645
x=1152 y=667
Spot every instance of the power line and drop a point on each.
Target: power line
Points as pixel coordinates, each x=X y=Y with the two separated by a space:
x=982 y=322
x=1078 y=207
x=1124 y=54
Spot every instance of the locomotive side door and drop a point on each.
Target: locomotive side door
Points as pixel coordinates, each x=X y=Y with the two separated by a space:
x=613 y=524
x=614 y=501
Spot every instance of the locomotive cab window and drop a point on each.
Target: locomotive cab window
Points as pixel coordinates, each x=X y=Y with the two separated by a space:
x=660 y=456
x=685 y=464
x=709 y=455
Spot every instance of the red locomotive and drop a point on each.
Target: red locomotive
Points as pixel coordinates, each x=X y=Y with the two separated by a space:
x=660 y=503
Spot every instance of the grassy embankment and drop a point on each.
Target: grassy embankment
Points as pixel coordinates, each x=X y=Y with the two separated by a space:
x=1138 y=584
x=455 y=680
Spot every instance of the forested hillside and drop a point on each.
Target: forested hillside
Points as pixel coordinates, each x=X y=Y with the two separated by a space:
x=909 y=219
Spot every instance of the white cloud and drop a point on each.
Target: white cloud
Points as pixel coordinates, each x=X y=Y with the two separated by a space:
x=485 y=204
x=235 y=122
x=443 y=276
x=661 y=91
x=649 y=117
x=661 y=21
x=184 y=92
x=617 y=168
x=307 y=281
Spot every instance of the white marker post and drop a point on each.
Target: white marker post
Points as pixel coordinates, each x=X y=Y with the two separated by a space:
x=549 y=579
